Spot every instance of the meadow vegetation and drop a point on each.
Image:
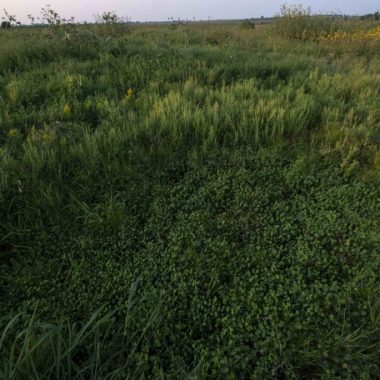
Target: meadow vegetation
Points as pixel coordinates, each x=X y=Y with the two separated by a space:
x=191 y=202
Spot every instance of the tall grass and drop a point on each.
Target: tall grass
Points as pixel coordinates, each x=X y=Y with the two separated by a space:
x=98 y=348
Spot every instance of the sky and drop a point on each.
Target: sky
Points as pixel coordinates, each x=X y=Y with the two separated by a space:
x=161 y=10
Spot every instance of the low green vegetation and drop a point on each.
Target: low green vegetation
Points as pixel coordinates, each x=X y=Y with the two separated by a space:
x=197 y=202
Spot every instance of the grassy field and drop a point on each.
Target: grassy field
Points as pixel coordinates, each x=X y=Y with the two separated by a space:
x=190 y=201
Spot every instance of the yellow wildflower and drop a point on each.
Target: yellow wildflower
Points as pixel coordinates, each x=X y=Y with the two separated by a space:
x=356 y=35
x=12 y=90
x=88 y=104
x=69 y=82
x=66 y=109
x=33 y=135
x=46 y=136
x=13 y=132
x=129 y=96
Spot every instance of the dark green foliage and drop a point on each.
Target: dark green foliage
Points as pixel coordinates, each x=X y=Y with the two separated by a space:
x=5 y=25
x=265 y=269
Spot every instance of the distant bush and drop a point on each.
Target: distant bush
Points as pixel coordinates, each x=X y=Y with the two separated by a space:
x=9 y=20
x=5 y=25
x=247 y=24
x=176 y=23
x=52 y=18
x=110 y=23
x=110 y=18
x=298 y=23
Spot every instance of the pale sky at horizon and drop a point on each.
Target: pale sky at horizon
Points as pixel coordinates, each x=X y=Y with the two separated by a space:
x=161 y=10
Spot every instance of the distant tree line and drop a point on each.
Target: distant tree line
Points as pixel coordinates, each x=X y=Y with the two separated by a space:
x=371 y=16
